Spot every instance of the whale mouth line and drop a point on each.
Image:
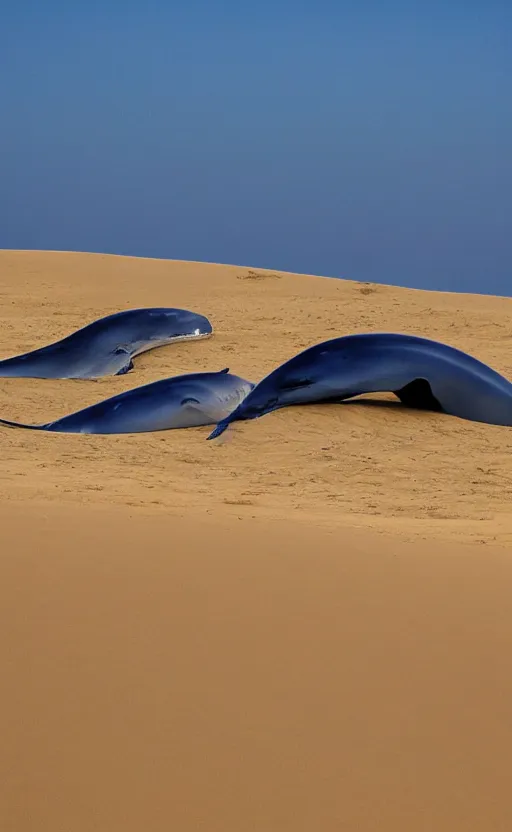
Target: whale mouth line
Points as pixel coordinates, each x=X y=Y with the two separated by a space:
x=167 y=341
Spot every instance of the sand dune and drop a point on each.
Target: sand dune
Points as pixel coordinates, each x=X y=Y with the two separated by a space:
x=412 y=474
x=305 y=627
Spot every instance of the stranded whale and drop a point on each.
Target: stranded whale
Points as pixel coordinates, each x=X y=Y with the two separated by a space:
x=178 y=402
x=422 y=373
x=108 y=345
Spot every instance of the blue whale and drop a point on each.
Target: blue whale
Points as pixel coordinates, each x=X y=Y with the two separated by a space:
x=422 y=373
x=108 y=345
x=178 y=402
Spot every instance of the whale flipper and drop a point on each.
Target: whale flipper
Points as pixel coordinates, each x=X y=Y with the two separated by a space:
x=418 y=394
x=126 y=369
x=219 y=429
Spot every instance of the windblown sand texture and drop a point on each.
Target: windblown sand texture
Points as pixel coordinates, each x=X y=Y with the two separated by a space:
x=306 y=626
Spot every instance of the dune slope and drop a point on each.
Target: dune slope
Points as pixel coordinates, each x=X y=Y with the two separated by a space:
x=251 y=636
x=415 y=474
x=168 y=674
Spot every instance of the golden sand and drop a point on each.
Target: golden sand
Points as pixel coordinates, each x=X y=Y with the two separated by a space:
x=307 y=626
x=358 y=465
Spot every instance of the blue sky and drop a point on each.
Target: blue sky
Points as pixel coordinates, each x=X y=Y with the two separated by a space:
x=369 y=140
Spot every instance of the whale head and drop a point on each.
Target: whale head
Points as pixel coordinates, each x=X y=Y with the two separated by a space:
x=311 y=376
x=167 y=325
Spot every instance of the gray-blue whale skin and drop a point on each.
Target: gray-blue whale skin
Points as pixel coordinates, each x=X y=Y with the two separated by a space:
x=182 y=401
x=420 y=372
x=108 y=345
